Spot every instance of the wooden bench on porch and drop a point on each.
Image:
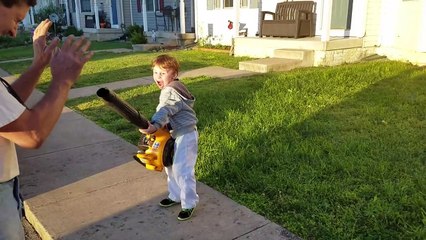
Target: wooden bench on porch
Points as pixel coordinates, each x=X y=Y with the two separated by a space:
x=291 y=19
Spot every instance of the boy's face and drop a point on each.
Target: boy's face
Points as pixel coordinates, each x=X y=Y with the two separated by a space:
x=163 y=77
x=11 y=17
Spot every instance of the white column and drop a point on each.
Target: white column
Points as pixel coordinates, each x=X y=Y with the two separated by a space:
x=145 y=17
x=122 y=12
x=95 y=3
x=237 y=18
x=259 y=17
x=67 y=12
x=195 y=9
x=77 y=14
x=326 y=20
x=32 y=16
x=182 y=16
x=131 y=12
x=359 y=26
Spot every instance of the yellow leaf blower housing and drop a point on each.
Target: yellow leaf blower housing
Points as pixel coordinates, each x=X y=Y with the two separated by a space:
x=155 y=150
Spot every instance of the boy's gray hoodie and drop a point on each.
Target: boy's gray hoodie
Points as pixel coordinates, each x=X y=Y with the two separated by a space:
x=176 y=107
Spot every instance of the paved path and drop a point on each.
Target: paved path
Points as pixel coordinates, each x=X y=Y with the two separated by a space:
x=83 y=184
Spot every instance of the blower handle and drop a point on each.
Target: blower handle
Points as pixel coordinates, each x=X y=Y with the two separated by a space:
x=123 y=108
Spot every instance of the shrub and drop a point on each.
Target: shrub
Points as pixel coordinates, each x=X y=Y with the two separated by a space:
x=71 y=30
x=136 y=34
x=22 y=39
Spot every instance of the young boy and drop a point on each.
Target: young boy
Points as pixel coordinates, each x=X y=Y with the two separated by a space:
x=176 y=109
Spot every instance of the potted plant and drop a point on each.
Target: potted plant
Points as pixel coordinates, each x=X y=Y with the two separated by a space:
x=102 y=19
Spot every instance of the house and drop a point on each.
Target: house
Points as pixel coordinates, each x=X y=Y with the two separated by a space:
x=345 y=30
x=106 y=19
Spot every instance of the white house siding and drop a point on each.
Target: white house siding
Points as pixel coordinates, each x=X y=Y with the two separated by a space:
x=402 y=30
x=137 y=16
x=373 y=22
x=212 y=25
x=126 y=12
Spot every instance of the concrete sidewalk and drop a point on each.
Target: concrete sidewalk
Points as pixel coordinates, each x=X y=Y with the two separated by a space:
x=83 y=184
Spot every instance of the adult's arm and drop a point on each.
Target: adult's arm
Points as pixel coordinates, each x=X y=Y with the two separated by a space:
x=31 y=128
x=26 y=83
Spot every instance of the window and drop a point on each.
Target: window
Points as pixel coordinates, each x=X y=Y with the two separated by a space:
x=150 y=5
x=213 y=4
x=228 y=3
x=85 y=6
x=254 y=3
x=244 y=3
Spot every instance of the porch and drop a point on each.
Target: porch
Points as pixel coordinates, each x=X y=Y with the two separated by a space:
x=163 y=39
x=279 y=54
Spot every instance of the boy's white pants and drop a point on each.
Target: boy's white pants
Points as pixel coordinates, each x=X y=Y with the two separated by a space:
x=181 y=175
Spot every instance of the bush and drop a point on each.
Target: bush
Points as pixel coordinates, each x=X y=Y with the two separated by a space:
x=136 y=34
x=71 y=30
x=22 y=39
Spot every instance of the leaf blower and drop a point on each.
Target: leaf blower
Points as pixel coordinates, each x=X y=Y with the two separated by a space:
x=156 y=149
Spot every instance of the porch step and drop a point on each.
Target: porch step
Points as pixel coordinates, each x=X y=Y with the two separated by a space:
x=265 y=65
x=294 y=54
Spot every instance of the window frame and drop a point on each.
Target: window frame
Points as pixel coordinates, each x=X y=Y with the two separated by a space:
x=85 y=10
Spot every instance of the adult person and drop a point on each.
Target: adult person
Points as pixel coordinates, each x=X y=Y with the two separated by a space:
x=29 y=127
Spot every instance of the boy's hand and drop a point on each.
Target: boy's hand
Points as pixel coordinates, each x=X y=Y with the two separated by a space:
x=151 y=129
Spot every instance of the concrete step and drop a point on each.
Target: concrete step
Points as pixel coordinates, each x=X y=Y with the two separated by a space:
x=265 y=65
x=293 y=54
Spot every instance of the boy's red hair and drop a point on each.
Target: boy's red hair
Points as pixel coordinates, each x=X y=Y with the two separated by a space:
x=166 y=62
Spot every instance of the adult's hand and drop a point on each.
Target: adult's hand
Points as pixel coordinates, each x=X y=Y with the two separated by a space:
x=67 y=62
x=42 y=52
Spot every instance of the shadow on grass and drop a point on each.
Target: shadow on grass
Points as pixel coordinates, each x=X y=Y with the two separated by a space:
x=353 y=168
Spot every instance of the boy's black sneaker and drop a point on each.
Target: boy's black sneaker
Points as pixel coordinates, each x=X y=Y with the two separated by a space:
x=167 y=202
x=185 y=214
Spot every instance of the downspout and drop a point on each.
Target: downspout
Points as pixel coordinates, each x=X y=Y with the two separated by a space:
x=145 y=17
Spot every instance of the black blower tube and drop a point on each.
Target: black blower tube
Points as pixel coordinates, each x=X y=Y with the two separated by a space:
x=123 y=108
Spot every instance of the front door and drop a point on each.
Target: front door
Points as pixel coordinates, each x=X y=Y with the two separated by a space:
x=114 y=14
x=347 y=17
x=341 y=14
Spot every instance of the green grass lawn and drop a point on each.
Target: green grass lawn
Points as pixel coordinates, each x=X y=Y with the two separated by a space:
x=107 y=67
x=27 y=51
x=327 y=152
